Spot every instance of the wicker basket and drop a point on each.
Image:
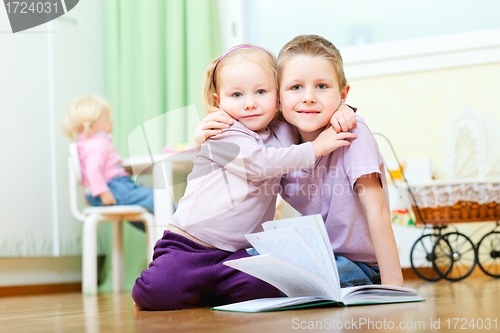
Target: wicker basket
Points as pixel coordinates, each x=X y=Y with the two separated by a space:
x=462 y=211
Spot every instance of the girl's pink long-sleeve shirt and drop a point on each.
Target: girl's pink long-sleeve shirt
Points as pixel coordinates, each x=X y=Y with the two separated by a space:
x=100 y=162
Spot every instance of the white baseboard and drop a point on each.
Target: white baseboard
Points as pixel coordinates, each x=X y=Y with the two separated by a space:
x=40 y=270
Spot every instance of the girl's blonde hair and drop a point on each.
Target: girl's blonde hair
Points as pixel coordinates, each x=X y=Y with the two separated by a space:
x=261 y=56
x=81 y=113
x=312 y=45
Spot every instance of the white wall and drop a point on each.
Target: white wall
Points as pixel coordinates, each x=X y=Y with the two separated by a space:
x=25 y=204
x=347 y=23
x=41 y=70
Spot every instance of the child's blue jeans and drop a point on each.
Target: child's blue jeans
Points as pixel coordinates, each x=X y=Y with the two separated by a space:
x=354 y=273
x=126 y=192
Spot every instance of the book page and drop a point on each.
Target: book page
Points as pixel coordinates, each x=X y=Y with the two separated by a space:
x=290 y=245
x=291 y=279
x=312 y=228
x=375 y=293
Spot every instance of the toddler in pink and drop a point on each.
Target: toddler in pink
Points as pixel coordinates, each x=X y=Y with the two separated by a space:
x=104 y=179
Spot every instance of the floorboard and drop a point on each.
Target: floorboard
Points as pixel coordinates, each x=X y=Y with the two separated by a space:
x=475 y=298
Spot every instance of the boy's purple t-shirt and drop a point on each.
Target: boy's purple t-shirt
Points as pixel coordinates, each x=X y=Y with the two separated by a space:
x=327 y=189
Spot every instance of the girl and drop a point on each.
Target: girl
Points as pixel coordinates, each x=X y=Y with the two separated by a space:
x=231 y=190
x=104 y=179
x=348 y=186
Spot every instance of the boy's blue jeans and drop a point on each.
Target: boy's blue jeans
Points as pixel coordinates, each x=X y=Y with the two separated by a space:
x=354 y=273
x=351 y=273
x=126 y=192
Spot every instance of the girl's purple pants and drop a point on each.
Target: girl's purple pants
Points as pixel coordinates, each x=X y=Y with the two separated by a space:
x=182 y=269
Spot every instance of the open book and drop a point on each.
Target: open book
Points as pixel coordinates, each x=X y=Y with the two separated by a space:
x=296 y=257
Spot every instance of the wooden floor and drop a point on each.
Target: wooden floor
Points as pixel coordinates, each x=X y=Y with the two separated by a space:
x=475 y=298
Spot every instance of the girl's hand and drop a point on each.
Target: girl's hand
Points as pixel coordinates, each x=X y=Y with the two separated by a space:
x=211 y=125
x=108 y=199
x=343 y=119
x=329 y=140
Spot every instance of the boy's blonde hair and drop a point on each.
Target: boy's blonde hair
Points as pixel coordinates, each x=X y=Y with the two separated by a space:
x=81 y=113
x=312 y=45
x=255 y=53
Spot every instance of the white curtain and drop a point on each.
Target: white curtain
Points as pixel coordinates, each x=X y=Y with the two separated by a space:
x=472 y=146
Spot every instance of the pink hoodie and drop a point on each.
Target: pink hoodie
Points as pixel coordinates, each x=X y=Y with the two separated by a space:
x=100 y=162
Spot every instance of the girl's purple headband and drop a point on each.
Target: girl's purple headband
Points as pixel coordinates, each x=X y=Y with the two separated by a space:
x=222 y=57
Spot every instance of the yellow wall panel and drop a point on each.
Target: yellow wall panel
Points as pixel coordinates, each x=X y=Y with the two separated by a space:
x=412 y=110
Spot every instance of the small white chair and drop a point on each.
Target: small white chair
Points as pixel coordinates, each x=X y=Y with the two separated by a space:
x=91 y=216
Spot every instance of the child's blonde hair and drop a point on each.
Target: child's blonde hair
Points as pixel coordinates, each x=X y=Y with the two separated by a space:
x=261 y=56
x=312 y=45
x=81 y=113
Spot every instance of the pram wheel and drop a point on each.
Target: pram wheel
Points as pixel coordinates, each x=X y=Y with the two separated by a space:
x=458 y=254
x=488 y=254
x=422 y=257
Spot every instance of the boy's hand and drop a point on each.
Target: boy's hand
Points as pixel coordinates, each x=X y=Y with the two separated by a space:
x=108 y=199
x=329 y=140
x=211 y=125
x=398 y=282
x=343 y=119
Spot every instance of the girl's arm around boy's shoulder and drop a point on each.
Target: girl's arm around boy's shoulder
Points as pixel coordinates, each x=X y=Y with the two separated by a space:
x=243 y=151
x=263 y=161
x=238 y=135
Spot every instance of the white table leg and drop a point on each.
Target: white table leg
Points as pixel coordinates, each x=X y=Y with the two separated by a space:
x=117 y=262
x=163 y=196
